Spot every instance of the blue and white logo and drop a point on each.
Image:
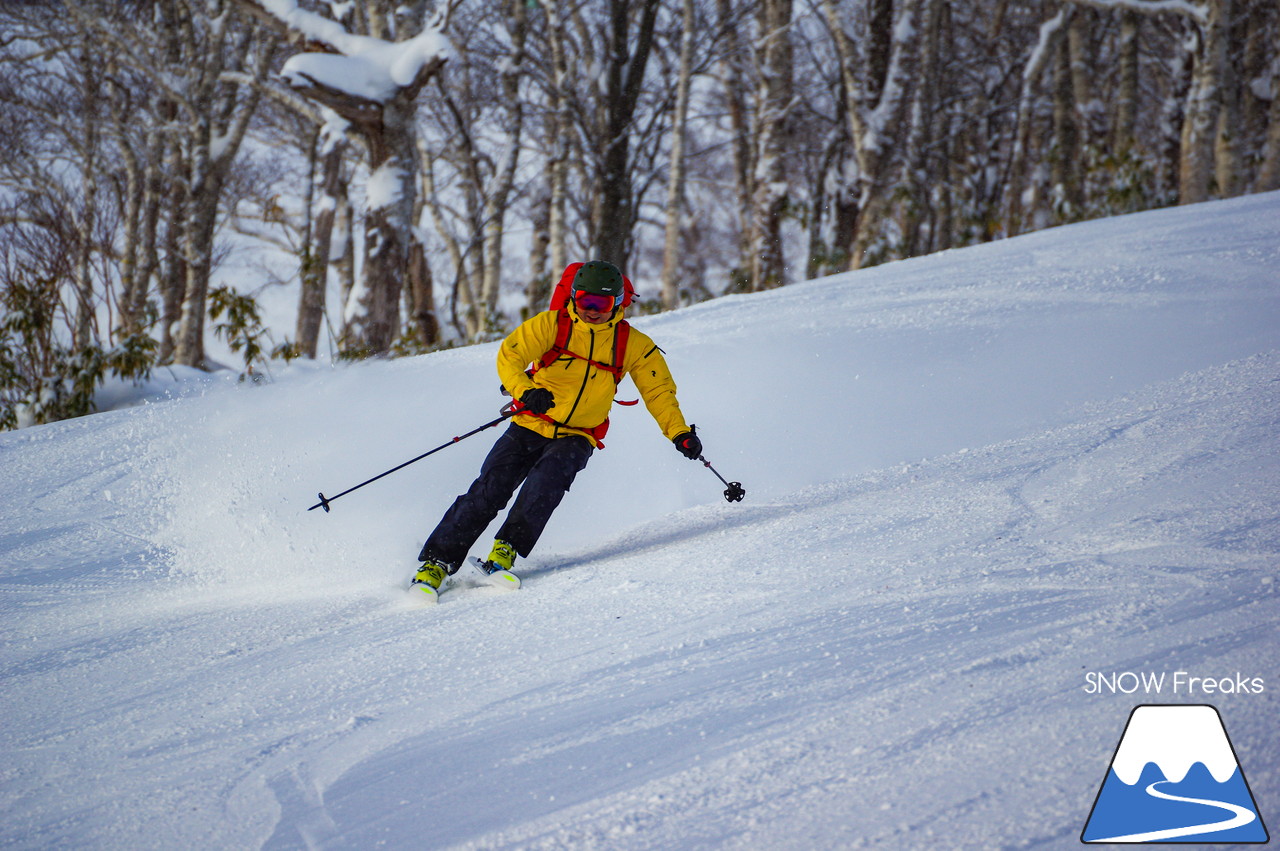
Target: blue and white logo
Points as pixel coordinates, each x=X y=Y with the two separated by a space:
x=1175 y=778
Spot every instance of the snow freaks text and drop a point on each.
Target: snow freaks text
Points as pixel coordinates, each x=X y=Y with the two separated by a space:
x=1175 y=683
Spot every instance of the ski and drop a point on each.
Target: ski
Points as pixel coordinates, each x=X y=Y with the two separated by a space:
x=484 y=574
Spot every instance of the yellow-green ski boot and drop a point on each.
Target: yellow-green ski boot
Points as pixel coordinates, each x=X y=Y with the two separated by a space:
x=496 y=570
x=425 y=586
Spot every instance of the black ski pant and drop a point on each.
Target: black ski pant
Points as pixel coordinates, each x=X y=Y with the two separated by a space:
x=546 y=466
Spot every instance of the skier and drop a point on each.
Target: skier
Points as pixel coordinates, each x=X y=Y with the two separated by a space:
x=580 y=352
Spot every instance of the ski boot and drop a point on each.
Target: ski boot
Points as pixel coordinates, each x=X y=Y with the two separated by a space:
x=496 y=569
x=426 y=584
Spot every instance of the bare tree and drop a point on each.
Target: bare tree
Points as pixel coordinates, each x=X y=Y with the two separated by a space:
x=1201 y=130
x=876 y=95
x=675 y=180
x=625 y=38
x=189 y=63
x=549 y=67
x=327 y=177
x=1269 y=172
x=735 y=73
x=475 y=117
x=59 y=210
x=378 y=102
x=773 y=139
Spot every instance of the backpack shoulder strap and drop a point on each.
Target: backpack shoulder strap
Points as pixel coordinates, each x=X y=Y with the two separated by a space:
x=564 y=327
x=620 y=335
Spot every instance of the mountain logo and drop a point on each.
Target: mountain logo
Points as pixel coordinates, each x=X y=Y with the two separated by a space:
x=1174 y=778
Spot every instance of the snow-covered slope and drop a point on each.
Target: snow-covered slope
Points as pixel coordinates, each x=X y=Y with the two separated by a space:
x=972 y=480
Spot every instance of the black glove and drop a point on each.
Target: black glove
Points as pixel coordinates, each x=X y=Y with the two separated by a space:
x=689 y=445
x=538 y=400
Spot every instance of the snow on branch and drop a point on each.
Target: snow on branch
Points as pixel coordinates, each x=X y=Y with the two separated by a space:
x=1151 y=7
x=363 y=67
x=1049 y=32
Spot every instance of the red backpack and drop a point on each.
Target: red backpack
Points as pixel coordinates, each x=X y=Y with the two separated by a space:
x=564 y=328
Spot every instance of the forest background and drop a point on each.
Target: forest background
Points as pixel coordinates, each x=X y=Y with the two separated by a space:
x=416 y=174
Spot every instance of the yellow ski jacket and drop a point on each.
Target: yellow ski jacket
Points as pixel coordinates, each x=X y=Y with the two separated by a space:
x=584 y=392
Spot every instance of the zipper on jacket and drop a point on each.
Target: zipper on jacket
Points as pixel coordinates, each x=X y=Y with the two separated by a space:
x=586 y=375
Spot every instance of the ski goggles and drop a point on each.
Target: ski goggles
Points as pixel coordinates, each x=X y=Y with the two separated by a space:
x=594 y=303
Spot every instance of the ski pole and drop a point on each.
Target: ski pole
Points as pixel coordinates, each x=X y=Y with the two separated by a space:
x=324 y=501
x=734 y=491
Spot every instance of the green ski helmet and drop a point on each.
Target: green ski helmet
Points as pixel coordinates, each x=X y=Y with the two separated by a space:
x=599 y=277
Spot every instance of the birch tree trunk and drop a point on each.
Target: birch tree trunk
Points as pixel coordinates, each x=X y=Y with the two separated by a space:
x=1064 y=152
x=420 y=294
x=675 y=178
x=559 y=128
x=537 y=288
x=1125 y=129
x=1204 y=104
x=1227 y=141
x=919 y=228
x=128 y=320
x=463 y=291
x=220 y=113
x=735 y=73
x=315 y=271
x=773 y=140
x=84 y=220
x=1269 y=171
x=173 y=268
x=538 y=285
x=495 y=207
x=373 y=312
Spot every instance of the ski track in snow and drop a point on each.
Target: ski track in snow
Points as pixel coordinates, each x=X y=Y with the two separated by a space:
x=971 y=479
